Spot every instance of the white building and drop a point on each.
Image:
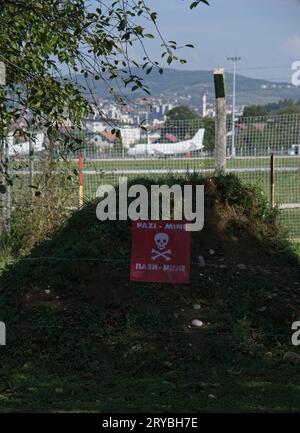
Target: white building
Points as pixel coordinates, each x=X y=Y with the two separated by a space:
x=130 y=136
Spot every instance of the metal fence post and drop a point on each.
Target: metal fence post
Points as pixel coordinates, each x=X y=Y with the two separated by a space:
x=31 y=157
x=220 y=143
x=273 y=180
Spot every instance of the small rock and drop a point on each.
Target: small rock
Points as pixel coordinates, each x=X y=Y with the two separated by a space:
x=197 y=307
x=47 y=292
x=197 y=323
x=201 y=262
x=203 y=301
x=242 y=267
x=212 y=397
x=59 y=390
x=212 y=252
x=292 y=357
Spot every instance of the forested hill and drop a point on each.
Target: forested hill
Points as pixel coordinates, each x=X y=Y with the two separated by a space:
x=175 y=83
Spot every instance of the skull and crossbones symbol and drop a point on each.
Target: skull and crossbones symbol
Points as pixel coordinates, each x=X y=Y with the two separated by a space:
x=161 y=240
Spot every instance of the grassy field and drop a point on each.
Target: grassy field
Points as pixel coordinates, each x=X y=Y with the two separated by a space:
x=250 y=170
x=175 y=163
x=186 y=163
x=69 y=385
x=287 y=183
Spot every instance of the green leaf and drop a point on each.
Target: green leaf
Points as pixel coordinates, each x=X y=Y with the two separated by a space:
x=197 y=2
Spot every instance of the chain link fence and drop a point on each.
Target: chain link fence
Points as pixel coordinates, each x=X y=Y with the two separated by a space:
x=40 y=168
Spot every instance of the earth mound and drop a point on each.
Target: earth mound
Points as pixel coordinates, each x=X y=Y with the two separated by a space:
x=247 y=277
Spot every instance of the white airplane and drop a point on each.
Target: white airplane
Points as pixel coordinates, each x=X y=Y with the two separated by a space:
x=161 y=149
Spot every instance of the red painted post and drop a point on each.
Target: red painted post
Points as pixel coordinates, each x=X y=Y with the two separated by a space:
x=81 y=193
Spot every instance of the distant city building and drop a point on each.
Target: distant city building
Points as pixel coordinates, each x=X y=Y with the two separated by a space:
x=130 y=136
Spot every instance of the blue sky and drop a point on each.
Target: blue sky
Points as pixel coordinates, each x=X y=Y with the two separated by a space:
x=263 y=32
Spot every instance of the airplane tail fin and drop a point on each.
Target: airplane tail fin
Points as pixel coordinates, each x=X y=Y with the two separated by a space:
x=198 y=138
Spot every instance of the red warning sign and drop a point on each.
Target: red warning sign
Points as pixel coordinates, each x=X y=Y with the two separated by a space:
x=160 y=252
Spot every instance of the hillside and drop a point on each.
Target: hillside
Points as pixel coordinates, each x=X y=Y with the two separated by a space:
x=82 y=337
x=175 y=83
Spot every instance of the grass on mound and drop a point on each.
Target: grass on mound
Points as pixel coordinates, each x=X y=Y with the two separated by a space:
x=81 y=337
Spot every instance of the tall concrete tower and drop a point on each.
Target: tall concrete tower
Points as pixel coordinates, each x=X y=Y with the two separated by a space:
x=204 y=105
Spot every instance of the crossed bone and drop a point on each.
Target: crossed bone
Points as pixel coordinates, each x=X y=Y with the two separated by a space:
x=161 y=254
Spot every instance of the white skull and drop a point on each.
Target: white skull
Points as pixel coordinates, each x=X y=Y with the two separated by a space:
x=161 y=240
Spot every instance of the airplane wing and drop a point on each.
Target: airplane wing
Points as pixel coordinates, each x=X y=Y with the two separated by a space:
x=159 y=152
